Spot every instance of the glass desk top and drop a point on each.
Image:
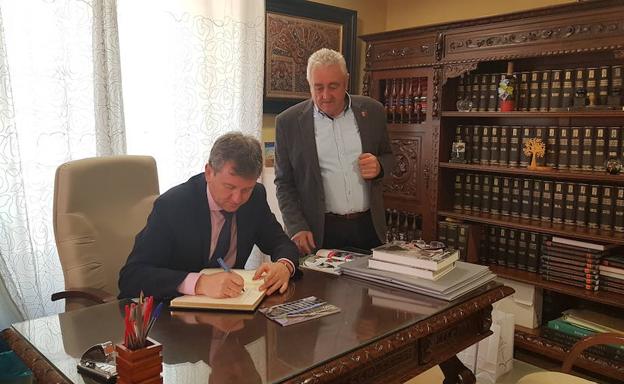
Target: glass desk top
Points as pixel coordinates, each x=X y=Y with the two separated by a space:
x=242 y=347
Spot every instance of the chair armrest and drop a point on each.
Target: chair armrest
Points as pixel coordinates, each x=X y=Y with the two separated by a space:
x=98 y=296
x=581 y=345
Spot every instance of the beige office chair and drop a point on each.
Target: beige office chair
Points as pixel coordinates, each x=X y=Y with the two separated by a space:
x=565 y=376
x=100 y=204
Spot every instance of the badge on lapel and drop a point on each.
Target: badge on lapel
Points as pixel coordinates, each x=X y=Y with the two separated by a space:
x=364 y=113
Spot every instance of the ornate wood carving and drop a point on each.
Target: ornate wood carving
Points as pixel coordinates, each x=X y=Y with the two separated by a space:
x=403 y=52
x=42 y=370
x=439 y=46
x=435 y=99
x=359 y=366
x=404 y=175
x=561 y=32
x=365 y=84
x=453 y=70
x=618 y=54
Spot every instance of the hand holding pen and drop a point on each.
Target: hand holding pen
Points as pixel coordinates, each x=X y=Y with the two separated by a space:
x=226 y=268
x=220 y=285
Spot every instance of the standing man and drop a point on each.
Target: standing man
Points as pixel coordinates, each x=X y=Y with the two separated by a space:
x=331 y=154
x=218 y=214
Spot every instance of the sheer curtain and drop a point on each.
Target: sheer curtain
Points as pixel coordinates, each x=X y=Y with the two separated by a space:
x=191 y=70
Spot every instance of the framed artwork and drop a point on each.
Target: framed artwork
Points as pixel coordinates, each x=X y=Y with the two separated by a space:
x=294 y=30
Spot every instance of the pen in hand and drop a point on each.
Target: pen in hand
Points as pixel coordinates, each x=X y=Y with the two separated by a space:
x=225 y=267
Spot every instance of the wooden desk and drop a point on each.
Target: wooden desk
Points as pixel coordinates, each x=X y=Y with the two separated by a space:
x=381 y=335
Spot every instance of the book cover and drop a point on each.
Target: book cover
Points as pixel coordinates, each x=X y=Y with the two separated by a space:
x=247 y=301
x=583 y=245
x=328 y=260
x=407 y=253
x=411 y=271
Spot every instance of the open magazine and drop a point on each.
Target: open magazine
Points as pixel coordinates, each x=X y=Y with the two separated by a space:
x=329 y=260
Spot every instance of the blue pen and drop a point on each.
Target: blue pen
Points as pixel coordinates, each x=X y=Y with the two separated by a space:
x=225 y=267
x=155 y=315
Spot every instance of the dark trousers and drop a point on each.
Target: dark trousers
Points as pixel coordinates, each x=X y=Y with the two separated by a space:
x=358 y=232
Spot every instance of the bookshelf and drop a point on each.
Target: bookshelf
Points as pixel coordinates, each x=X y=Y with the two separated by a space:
x=562 y=48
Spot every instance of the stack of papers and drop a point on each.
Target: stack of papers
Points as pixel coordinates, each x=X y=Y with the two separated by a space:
x=464 y=278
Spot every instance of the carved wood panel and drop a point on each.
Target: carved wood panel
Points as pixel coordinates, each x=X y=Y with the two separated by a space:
x=407 y=172
x=396 y=54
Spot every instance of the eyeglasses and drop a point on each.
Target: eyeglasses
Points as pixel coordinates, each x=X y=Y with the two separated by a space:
x=431 y=246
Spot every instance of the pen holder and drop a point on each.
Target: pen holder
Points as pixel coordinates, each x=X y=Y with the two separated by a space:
x=139 y=366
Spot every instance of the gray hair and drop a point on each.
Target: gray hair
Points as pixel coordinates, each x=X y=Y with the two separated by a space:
x=242 y=150
x=325 y=57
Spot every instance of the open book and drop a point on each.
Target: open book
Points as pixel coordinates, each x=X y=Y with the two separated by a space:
x=247 y=301
x=328 y=260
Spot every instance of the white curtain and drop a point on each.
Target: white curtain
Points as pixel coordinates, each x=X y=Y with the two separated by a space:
x=192 y=70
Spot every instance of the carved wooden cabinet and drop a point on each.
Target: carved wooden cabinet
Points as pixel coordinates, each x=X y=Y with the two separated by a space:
x=584 y=37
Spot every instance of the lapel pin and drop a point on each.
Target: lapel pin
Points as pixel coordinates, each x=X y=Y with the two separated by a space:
x=364 y=113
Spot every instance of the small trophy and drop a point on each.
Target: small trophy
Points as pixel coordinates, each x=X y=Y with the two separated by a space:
x=458 y=152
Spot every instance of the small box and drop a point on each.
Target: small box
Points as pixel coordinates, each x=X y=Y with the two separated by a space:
x=525 y=303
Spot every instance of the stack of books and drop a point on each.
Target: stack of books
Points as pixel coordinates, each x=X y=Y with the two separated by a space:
x=455 y=282
x=406 y=258
x=576 y=324
x=573 y=262
x=612 y=274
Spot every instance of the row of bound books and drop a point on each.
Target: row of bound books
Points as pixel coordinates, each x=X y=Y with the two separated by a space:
x=402 y=225
x=581 y=204
x=455 y=235
x=512 y=248
x=545 y=90
x=574 y=148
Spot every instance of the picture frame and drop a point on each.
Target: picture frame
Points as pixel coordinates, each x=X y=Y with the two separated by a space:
x=294 y=30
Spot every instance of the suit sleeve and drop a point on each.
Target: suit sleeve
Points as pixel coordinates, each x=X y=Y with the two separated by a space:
x=385 y=156
x=271 y=238
x=147 y=266
x=288 y=197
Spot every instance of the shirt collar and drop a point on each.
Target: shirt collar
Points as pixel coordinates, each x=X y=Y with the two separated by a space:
x=317 y=111
x=212 y=204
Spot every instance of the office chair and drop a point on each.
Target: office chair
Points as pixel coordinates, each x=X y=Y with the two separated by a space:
x=565 y=376
x=100 y=204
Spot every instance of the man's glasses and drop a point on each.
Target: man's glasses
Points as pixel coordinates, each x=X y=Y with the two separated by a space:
x=431 y=246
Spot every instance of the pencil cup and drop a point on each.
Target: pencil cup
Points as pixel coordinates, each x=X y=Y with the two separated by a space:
x=141 y=366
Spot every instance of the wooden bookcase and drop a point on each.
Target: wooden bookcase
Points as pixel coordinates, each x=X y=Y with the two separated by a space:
x=571 y=36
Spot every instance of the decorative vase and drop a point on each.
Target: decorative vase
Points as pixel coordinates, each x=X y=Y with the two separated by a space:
x=141 y=365
x=507 y=105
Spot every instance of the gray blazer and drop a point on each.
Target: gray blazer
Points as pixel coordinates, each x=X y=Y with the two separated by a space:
x=298 y=175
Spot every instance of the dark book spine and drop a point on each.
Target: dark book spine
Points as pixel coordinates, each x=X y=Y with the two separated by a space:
x=534 y=91
x=502 y=247
x=569 y=200
x=592 y=86
x=503 y=145
x=618 y=220
x=492 y=102
x=475 y=82
x=540 y=133
x=495 y=202
x=555 y=90
x=599 y=149
x=536 y=201
x=603 y=85
x=512 y=248
x=593 y=215
x=476 y=192
x=564 y=148
x=575 y=147
x=523 y=240
x=485 y=145
x=462 y=241
x=459 y=132
x=442 y=231
x=525 y=205
x=567 y=95
x=494 y=144
x=523 y=93
x=505 y=196
x=582 y=204
x=484 y=89
x=544 y=98
x=458 y=193
x=557 y=212
x=527 y=133
x=486 y=181
x=552 y=149
x=514 y=144
x=533 y=252
x=467 y=201
x=476 y=144
x=460 y=92
x=606 y=208
x=580 y=84
x=616 y=82
x=516 y=199
x=588 y=148
x=614 y=143
x=546 y=200
x=493 y=234
x=451 y=235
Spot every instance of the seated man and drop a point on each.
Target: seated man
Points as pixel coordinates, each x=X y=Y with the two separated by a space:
x=218 y=214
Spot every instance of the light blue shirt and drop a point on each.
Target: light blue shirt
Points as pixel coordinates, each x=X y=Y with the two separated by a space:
x=338 y=145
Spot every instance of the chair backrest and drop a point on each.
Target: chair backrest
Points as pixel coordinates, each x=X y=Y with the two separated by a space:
x=100 y=204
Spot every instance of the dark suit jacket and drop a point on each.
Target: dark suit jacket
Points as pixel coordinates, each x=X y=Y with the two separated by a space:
x=298 y=180
x=176 y=239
